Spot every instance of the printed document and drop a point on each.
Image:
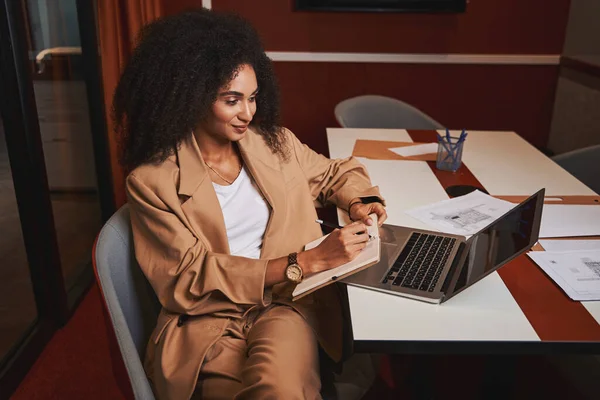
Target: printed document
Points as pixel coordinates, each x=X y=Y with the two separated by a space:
x=567 y=220
x=577 y=273
x=570 y=245
x=464 y=215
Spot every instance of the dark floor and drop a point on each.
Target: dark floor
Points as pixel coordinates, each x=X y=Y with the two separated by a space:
x=17 y=305
x=77 y=221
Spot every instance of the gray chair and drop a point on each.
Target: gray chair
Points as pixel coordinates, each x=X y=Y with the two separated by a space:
x=133 y=308
x=583 y=164
x=130 y=301
x=373 y=111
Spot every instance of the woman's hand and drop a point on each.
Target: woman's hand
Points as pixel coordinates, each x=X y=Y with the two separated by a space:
x=341 y=246
x=360 y=212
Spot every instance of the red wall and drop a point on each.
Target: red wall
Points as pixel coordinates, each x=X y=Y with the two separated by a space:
x=493 y=97
x=488 y=26
x=474 y=97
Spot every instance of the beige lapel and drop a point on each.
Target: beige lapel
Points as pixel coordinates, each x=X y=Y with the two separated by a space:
x=203 y=210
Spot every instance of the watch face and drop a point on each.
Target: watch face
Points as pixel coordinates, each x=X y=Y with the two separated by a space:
x=294 y=273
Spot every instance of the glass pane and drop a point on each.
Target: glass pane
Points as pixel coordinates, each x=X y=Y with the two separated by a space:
x=17 y=303
x=63 y=115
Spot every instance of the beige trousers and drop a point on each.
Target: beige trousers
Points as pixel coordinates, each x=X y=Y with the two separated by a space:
x=268 y=354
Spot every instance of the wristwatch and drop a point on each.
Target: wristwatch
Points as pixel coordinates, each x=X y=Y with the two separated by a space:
x=370 y=199
x=293 y=272
x=365 y=200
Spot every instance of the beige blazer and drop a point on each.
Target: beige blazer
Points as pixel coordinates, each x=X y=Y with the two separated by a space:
x=181 y=246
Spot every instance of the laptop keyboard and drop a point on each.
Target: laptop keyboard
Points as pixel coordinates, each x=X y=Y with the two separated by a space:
x=421 y=262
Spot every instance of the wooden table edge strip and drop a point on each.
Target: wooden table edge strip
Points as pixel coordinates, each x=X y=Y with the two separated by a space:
x=551 y=313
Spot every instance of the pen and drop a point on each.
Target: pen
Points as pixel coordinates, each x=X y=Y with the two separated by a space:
x=328 y=224
x=447 y=146
x=333 y=226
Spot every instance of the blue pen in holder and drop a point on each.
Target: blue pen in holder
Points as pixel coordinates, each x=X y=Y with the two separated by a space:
x=450 y=149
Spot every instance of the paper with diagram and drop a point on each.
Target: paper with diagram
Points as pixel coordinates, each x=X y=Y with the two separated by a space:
x=577 y=273
x=464 y=215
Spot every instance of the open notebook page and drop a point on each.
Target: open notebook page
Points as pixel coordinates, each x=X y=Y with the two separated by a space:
x=368 y=256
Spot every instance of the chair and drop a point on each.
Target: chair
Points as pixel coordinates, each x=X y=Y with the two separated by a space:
x=133 y=308
x=382 y=112
x=583 y=164
x=130 y=300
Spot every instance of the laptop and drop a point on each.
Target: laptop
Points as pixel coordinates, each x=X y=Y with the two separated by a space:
x=433 y=267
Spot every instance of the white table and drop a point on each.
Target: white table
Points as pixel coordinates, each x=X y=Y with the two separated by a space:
x=485 y=317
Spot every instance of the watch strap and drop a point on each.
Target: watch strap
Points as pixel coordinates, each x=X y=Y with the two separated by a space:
x=370 y=199
x=292 y=258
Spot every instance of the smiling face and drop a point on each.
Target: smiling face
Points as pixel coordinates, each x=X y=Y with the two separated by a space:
x=234 y=108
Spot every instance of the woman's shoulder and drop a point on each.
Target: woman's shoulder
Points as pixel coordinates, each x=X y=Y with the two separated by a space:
x=255 y=133
x=256 y=141
x=161 y=175
x=255 y=136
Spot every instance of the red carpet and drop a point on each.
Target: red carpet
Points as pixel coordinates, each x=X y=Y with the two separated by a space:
x=76 y=364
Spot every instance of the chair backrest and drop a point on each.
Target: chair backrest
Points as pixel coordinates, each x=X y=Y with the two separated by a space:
x=372 y=111
x=583 y=164
x=130 y=300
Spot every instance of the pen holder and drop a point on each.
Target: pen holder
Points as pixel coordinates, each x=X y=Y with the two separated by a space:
x=449 y=155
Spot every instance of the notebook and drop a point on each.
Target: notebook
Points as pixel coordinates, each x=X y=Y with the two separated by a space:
x=369 y=256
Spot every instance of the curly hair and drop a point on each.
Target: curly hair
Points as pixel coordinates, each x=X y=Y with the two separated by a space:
x=173 y=77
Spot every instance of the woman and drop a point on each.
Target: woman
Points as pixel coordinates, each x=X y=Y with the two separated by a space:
x=222 y=203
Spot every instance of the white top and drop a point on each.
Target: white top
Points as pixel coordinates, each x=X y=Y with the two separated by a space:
x=246 y=214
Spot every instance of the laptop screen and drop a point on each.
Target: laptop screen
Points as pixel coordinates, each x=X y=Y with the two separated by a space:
x=506 y=237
